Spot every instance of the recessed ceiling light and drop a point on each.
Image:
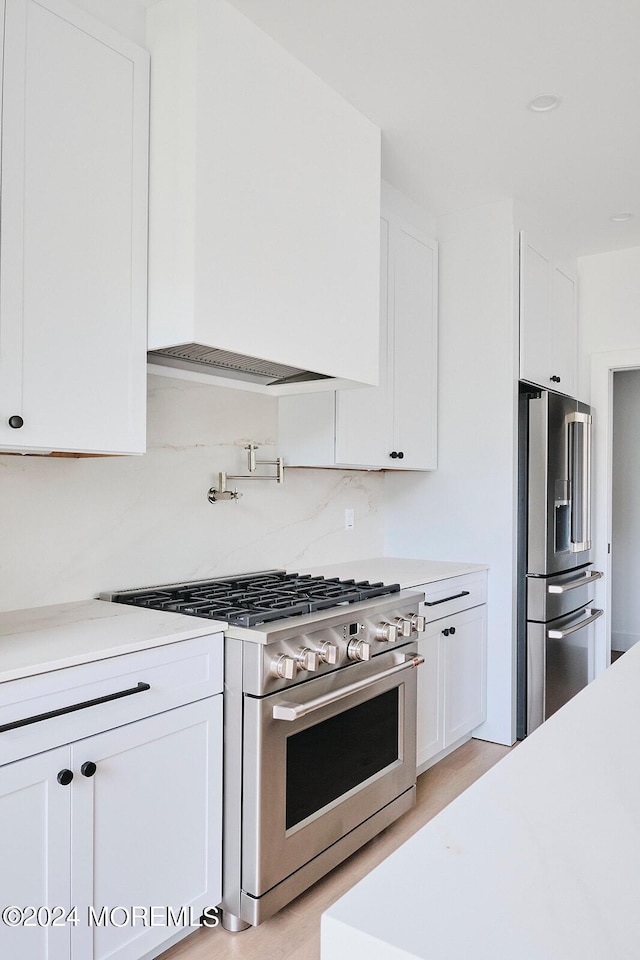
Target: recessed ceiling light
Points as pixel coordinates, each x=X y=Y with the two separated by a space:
x=545 y=102
x=621 y=217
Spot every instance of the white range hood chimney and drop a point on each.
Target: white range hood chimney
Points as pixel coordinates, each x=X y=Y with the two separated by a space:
x=264 y=210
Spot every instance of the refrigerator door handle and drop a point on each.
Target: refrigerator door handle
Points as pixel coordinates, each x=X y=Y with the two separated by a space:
x=561 y=634
x=579 y=426
x=588 y=577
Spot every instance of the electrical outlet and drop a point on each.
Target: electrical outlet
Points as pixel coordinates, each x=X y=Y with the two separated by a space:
x=349 y=518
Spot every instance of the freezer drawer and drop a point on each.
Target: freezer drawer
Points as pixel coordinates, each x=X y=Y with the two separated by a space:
x=551 y=597
x=559 y=662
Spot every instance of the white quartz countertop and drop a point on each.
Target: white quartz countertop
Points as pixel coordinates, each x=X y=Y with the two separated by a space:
x=408 y=573
x=65 y=634
x=538 y=860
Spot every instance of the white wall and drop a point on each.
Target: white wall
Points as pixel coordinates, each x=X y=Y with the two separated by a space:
x=126 y=16
x=465 y=510
x=608 y=307
x=70 y=528
x=608 y=338
x=625 y=609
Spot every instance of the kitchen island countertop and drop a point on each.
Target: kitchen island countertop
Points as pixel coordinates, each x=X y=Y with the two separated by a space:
x=41 y=639
x=406 y=572
x=537 y=860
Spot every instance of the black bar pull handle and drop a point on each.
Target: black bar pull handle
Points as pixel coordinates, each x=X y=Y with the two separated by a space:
x=139 y=688
x=456 y=596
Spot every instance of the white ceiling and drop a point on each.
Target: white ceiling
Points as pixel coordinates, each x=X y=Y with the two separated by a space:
x=448 y=82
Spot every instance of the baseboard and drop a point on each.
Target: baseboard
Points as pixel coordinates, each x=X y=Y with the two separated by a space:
x=623 y=641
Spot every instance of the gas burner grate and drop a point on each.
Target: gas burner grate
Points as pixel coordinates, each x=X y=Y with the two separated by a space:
x=253 y=599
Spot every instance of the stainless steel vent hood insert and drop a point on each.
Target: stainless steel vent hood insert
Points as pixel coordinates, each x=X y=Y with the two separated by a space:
x=196 y=356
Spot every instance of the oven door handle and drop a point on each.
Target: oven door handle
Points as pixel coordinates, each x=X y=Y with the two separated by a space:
x=294 y=711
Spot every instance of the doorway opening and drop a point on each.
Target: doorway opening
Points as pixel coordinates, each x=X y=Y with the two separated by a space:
x=625 y=511
x=610 y=549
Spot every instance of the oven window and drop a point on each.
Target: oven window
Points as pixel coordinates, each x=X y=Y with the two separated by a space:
x=328 y=759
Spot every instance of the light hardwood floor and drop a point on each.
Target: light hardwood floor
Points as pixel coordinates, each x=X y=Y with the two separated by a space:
x=294 y=932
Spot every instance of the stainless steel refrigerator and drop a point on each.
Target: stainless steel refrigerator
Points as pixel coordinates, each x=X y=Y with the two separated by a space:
x=555 y=578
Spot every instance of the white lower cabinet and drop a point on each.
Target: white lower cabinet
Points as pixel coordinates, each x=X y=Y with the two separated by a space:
x=35 y=839
x=452 y=681
x=125 y=819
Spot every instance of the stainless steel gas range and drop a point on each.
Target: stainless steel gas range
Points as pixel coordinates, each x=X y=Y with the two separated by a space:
x=320 y=716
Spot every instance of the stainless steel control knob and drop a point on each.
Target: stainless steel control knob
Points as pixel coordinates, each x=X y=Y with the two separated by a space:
x=307 y=659
x=418 y=622
x=359 y=650
x=328 y=652
x=284 y=667
x=387 y=631
x=404 y=626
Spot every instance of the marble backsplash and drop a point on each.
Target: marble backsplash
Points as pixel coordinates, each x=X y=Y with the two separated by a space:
x=71 y=528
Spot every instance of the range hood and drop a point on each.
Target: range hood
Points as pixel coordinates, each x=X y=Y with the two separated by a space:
x=198 y=358
x=264 y=207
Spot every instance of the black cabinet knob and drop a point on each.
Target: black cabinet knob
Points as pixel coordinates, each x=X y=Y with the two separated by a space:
x=393 y=455
x=16 y=422
x=65 y=777
x=555 y=379
x=452 y=630
x=446 y=631
x=88 y=768
x=400 y=455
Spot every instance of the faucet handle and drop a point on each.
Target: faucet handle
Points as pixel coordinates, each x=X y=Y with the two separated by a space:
x=215 y=495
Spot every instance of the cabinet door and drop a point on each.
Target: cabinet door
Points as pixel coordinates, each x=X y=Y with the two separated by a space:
x=535 y=315
x=563 y=331
x=147 y=826
x=429 y=731
x=363 y=416
x=465 y=672
x=35 y=845
x=73 y=241
x=413 y=349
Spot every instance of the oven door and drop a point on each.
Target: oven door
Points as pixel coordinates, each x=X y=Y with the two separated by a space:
x=322 y=757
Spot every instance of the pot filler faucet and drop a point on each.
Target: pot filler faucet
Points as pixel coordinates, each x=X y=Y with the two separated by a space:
x=221 y=493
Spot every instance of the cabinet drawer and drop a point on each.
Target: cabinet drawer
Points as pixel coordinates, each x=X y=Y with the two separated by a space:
x=446 y=597
x=97 y=696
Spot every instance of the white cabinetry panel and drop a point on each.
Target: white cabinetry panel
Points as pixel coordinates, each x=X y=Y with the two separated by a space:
x=535 y=306
x=136 y=822
x=563 y=330
x=35 y=841
x=73 y=240
x=465 y=680
x=548 y=347
x=430 y=722
x=364 y=417
x=392 y=426
x=452 y=682
x=150 y=817
x=413 y=350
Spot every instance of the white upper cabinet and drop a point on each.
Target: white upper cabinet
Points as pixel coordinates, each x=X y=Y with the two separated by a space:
x=394 y=425
x=264 y=207
x=73 y=244
x=547 y=321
